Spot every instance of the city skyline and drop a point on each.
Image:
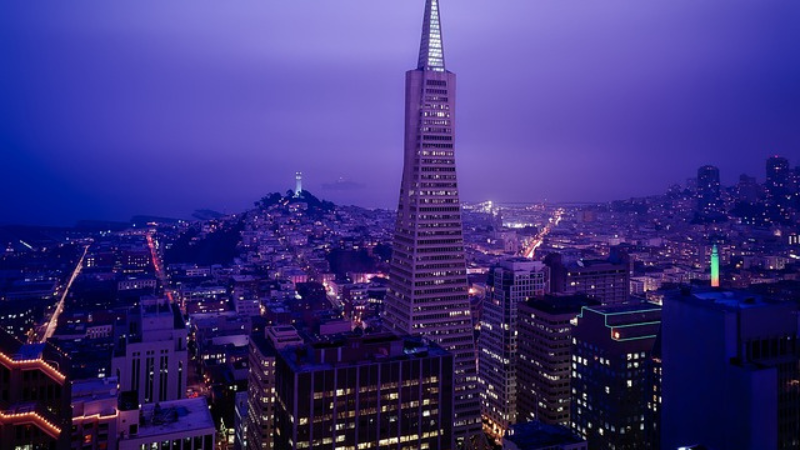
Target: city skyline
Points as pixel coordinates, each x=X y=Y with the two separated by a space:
x=659 y=312
x=213 y=112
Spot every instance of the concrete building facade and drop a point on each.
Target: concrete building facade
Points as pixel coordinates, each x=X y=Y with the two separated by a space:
x=737 y=387
x=428 y=289
x=151 y=356
x=509 y=284
x=372 y=392
x=544 y=357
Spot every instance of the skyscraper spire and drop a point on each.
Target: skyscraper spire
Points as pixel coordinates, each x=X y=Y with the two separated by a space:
x=428 y=287
x=431 y=49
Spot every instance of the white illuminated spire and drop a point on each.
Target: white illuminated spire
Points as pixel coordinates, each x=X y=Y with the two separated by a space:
x=431 y=49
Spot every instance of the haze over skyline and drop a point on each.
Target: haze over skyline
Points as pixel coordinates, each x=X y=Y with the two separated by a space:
x=131 y=108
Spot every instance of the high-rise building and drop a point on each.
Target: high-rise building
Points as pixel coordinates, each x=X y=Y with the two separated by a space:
x=777 y=175
x=708 y=194
x=35 y=395
x=261 y=382
x=428 y=291
x=150 y=356
x=370 y=392
x=509 y=284
x=737 y=387
x=778 y=188
x=544 y=357
x=608 y=281
x=748 y=190
x=611 y=375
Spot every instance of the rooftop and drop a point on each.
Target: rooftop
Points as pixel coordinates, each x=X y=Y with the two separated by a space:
x=349 y=349
x=537 y=435
x=561 y=304
x=729 y=299
x=175 y=416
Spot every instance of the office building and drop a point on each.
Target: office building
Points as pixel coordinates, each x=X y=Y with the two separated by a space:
x=35 y=394
x=611 y=375
x=736 y=388
x=608 y=280
x=377 y=391
x=509 y=284
x=777 y=175
x=708 y=193
x=778 y=188
x=544 y=357
x=748 y=190
x=94 y=414
x=261 y=382
x=428 y=290
x=150 y=356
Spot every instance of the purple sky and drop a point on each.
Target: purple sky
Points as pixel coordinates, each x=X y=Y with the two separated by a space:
x=110 y=109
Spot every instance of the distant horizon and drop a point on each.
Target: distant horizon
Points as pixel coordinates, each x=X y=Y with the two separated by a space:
x=119 y=107
x=187 y=215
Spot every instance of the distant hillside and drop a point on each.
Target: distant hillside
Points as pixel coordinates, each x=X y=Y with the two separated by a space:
x=316 y=207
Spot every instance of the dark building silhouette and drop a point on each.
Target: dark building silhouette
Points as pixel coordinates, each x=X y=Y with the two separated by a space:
x=778 y=189
x=541 y=436
x=777 y=175
x=737 y=387
x=748 y=190
x=708 y=190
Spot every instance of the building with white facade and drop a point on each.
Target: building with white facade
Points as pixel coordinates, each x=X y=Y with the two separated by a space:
x=151 y=357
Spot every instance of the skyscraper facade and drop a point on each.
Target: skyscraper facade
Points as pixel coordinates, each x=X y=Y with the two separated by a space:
x=544 y=355
x=611 y=375
x=378 y=391
x=152 y=358
x=509 y=285
x=708 y=192
x=778 y=189
x=737 y=389
x=428 y=291
x=264 y=345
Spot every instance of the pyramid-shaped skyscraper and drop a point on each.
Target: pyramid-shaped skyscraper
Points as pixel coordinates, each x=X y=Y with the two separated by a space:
x=428 y=289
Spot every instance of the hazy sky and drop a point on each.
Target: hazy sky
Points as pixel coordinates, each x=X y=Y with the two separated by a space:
x=110 y=109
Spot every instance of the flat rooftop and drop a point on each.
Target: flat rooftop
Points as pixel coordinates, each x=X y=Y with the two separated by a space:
x=321 y=353
x=561 y=304
x=536 y=435
x=731 y=299
x=176 y=416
